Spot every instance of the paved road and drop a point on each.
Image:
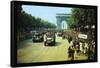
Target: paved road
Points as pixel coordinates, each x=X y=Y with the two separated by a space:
x=37 y=52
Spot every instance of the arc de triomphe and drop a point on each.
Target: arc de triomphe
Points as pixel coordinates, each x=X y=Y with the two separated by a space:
x=61 y=17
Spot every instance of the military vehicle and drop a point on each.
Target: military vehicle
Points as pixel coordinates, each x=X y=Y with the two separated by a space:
x=50 y=39
x=37 y=37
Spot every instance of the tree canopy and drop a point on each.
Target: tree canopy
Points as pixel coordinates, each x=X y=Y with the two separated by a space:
x=83 y=20
x=82 y=17
x=26 y=22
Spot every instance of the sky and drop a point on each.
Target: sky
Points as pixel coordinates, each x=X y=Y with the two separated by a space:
x=45 y=12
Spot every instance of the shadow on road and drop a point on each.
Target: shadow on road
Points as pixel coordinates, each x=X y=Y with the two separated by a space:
x=20 y=46
x=56 y=44
x=24 y=44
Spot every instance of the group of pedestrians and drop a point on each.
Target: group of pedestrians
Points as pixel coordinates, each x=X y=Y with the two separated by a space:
x=77 y=48
x=74 y=49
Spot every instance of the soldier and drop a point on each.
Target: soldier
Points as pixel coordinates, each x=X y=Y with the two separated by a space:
x=69 y=52
x=78 y=48
x=72 y=53
x=69 y=39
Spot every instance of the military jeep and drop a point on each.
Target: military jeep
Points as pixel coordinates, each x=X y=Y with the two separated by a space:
x=49 y=39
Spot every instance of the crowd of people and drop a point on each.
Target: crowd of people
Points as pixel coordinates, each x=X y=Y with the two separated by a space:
x=77 y=48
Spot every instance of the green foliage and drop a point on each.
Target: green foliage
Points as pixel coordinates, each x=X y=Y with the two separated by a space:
x=27 y=22
x=82 y=20
x=82 y=17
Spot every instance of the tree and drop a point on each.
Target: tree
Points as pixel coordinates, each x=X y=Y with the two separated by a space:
x=83 y=20
x=26 y=22
x=82 y=17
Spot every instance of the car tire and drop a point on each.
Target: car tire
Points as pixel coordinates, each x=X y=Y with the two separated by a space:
x=53 y=43
x=32 y=40
x=44 y=43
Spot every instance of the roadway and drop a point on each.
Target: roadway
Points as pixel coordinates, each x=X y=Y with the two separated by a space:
x=28 y=51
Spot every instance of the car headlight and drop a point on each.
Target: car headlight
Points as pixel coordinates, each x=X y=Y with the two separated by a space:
x=40 y=36
x=48 y=38
x=34 y=36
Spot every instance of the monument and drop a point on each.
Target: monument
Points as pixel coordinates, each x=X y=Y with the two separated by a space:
x=61 y=17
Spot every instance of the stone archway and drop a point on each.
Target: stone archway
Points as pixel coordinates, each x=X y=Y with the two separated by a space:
x=63 y=25
x=61 y=17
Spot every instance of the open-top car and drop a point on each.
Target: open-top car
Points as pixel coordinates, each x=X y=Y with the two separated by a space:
x=49 y=39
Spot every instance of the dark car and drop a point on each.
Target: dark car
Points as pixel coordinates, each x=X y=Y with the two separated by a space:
x=60 y=34
x=37 y=37
x=49 y=39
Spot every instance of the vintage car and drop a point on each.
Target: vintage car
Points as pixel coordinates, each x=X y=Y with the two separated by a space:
x=49 y=39
x=60 y=34
x=37 y=37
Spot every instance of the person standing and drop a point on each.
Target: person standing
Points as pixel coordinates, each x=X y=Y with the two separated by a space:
x=72 y=53
x=69 y=52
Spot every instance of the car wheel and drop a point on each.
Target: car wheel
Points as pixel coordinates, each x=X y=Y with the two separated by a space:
x=33 y=40
x=44 y=43
x=53 y=43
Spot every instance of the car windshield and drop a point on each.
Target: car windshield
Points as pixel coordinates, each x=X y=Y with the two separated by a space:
x=49 y=35
x=37 y=34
